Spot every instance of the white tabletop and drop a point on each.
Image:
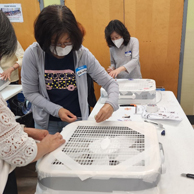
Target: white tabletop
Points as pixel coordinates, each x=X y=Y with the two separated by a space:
x=178 y=144
x=11 y=91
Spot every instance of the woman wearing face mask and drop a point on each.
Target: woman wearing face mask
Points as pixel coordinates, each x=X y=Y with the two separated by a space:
x=54 y=72
x=124 y=52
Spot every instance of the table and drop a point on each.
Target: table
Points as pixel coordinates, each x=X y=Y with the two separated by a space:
x=10 y=91
x=178 y=144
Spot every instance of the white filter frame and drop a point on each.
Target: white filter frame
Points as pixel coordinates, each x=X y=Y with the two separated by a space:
x=127 y=169
x=137 y=91
x=136 y=85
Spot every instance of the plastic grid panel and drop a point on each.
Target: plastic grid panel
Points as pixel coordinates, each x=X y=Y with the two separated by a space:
x=84 y=146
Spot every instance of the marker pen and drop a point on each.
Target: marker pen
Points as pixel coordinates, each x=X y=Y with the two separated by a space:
x=133 y=105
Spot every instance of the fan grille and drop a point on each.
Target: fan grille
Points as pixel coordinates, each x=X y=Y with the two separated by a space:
x=84 y=146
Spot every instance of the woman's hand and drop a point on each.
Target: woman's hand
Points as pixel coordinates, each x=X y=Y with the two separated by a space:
x=66 y=115
x=104 y=113
x=7 y=74
x=115 y=72
x=110 y=69
x=37 y=134
x=49 y=144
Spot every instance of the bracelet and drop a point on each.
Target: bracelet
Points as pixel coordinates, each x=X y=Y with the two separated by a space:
x=14 y=68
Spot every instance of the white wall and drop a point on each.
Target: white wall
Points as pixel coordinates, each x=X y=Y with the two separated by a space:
x=187 y=92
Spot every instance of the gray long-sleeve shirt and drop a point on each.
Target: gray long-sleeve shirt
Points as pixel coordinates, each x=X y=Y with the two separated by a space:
x=127 y=56
x=34 y=87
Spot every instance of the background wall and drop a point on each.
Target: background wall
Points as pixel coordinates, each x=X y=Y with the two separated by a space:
x=31 y=9
x=25 y=31
x=157 y=24
x=187 y=92
x=95 y=16
x=50 y=2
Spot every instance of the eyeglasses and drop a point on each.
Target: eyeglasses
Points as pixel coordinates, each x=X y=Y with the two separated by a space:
x=63 y=44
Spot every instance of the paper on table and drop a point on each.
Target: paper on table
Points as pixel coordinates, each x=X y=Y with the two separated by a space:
x=162 y=114
x=123 y=114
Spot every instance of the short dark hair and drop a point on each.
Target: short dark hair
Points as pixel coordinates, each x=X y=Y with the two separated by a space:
x=118 y=27
x=8 y=40
x=56 y=20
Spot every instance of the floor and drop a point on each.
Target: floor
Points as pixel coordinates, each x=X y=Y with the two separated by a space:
x=26 y=179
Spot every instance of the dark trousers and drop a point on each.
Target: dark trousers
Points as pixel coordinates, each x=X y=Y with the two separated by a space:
x=12 y=105
x=11 y=185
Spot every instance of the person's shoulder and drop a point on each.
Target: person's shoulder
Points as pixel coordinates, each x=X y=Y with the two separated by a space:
x=134 y=39
x=34 y=46
x=83 y=49
x=112 y=48
x=84 y=54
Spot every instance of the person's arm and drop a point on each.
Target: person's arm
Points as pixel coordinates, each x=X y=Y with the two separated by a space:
x=115 y=72
x=98 y=73
x=112 y=62
x=49 y=144
x=36 y=134
x=16 y=148
x=19 y=54
x=104 y=113
x=30 y=82
x=31 y=86
x=7 y=73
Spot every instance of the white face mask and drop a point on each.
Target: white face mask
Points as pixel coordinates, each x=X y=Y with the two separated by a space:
x=61 y=51
x=118 y=42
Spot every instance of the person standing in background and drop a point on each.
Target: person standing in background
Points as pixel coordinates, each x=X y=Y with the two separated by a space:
x=124 y=52
x=10 y=66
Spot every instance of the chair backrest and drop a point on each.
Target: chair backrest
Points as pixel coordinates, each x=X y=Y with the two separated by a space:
x=91 y=95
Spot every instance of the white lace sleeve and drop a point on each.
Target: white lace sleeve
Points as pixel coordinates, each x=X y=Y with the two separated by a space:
x=16 y=148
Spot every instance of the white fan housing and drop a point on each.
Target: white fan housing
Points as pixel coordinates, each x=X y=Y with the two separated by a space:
x=103 y=157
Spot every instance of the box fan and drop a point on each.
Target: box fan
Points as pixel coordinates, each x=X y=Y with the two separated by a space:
x=101 y=158
x=133 y=91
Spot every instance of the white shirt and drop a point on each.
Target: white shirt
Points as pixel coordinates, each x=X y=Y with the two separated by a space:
x=16 y=148
x=7 y=62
